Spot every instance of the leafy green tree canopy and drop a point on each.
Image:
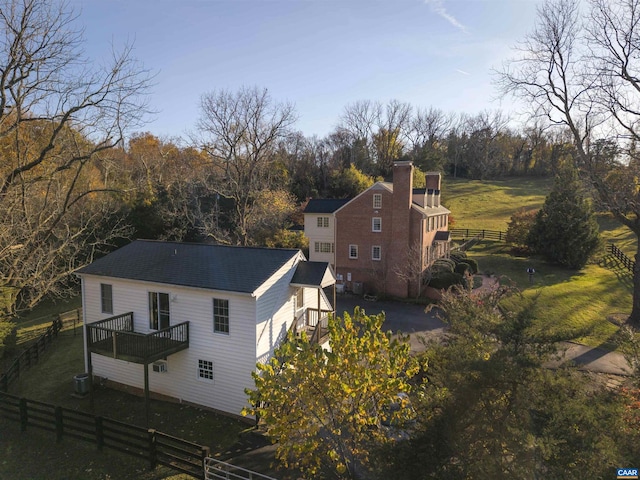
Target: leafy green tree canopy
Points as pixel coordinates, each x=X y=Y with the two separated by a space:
x=326 y=407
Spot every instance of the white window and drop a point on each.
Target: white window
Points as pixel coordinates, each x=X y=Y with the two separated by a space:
x=323 y=247
x=300 y=297
x=353 y=251
x=323 y=222
x=159 y=317
x=376 y=252
x=220 y=315
x=106 y=298
x=205 y=370
x=377 y=200
x=376 y=224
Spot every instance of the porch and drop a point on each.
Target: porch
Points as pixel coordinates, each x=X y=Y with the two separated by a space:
x=114 y=337
x=315 y=323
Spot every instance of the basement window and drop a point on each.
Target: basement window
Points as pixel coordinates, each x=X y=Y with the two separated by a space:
x=205 y=370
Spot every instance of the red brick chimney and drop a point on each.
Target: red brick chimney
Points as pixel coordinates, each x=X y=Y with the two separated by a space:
x=433 y=189
x=400 y=224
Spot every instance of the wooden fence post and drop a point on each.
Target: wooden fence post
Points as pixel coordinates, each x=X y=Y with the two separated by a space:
x=153 y=449
x=99 y=433
x=24 y=414
x=204 y=453
x=59 y=424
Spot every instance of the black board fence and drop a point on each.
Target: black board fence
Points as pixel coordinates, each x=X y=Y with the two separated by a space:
x=156 y=447
x=68 y=320
x=626 y=261
x=30 y=356
x=495 y=235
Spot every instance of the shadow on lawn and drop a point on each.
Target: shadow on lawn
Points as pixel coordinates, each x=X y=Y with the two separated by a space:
x=613 y=264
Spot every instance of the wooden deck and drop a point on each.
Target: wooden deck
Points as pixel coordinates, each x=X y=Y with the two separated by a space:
x=114 y=337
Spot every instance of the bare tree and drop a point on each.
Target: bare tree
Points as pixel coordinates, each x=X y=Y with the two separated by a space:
x=381 y=129
x=58 y=115
x=413 y=268
x=581 y=73
x=240 y=132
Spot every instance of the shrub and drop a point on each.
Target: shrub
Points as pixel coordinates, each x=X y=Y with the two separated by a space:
x=473 y=265
x=518 y=229
x=462 y=268
x=443 y=265
x=444 y=280
x=458 y=257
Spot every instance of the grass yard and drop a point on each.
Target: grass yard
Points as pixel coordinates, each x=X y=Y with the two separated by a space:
x=51 y=381
x=489 y=204
x=46 y=310
x=570 y=302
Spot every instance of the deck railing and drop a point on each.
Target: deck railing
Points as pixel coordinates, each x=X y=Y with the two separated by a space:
x=318 y=324
x=115 y=337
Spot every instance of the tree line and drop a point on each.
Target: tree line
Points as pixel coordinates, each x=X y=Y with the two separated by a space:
x=75 y=182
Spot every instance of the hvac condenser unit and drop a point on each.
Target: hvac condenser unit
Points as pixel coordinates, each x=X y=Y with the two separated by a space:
x=160 y=366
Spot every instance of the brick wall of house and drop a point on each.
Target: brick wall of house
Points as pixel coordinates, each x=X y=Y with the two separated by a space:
x=354 y=227
x=404 y=233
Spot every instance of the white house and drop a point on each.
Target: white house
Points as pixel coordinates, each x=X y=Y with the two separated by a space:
x=190 y=321
x=319 y=228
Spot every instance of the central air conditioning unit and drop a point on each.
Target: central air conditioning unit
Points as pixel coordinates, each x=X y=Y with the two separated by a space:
x=160 y=366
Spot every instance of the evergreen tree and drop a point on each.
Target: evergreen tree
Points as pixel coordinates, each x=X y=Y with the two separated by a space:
x=565 y=231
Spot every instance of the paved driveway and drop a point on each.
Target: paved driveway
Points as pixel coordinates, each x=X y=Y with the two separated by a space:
x=404 y=317
x=412 y=319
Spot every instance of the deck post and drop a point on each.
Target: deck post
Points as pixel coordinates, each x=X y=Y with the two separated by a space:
x=89 y=369
x=335 y=300
x=146 y=393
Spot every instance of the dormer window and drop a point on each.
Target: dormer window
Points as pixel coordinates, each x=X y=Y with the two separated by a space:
x=377 y=200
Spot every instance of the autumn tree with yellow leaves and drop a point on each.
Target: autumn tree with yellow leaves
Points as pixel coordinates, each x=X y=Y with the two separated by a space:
x=59 y=116
x=329 y=409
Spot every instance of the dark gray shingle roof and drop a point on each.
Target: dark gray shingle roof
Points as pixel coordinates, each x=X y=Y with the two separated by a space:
x=442 y=236
x=216 y=267
x=325 y=205
x=313 y=273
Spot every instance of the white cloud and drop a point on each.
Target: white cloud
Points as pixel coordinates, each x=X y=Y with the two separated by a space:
x=437 y=7
x=462 y=72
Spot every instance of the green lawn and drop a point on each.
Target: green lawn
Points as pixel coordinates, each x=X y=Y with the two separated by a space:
x=489 y=204
x=51 y=381
x=569 y=301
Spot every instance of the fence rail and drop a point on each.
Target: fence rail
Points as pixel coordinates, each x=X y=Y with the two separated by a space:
x=495 y=235
x=68 y=320
x=216 y=469
x=156 y=447
x=626 y=261
x=30 y=355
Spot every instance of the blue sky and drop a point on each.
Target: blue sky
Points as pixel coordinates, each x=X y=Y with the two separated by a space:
x=318 y=54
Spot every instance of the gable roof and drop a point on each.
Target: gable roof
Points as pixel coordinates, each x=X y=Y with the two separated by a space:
x=316 y=274
x=376 y=186
x=442 y=236
x=215 y=267
x=325 y=205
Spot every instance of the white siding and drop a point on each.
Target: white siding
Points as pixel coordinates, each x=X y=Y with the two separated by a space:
x=274 y=310
x=233 y=355
x=319 y=234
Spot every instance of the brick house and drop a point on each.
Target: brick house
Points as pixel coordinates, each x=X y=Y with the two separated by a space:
x=384 y=235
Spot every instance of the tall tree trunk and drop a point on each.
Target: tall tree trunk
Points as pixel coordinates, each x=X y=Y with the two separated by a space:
x=634 y=318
